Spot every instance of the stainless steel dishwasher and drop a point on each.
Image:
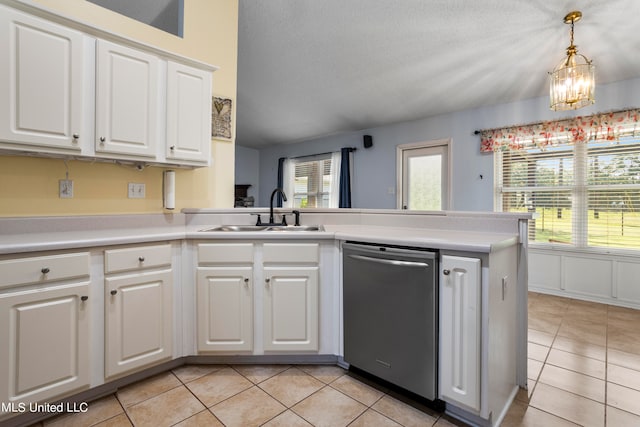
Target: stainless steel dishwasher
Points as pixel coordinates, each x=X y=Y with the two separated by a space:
x=391 y=314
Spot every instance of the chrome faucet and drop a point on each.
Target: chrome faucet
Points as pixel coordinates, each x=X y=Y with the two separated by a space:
x=284 y=198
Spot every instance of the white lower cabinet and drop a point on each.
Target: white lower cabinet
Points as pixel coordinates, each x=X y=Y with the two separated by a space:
x=225 y=308
x=290 y=308
x=44 y=315
x=228 y=303
x=460 y=331
x=138 y=308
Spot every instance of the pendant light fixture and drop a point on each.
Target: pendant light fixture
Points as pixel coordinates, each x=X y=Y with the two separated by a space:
x=572 y=82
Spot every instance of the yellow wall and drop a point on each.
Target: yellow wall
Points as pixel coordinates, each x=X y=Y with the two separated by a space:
x=29 y=186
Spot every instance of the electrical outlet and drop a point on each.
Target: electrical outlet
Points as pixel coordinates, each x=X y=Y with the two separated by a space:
x=136 y=190
x=65 y=188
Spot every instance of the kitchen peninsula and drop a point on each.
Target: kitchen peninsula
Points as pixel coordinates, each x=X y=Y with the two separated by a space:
x=213 y=295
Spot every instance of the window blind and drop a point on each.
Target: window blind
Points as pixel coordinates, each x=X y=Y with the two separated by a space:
x=584 y=194
x=312 y=182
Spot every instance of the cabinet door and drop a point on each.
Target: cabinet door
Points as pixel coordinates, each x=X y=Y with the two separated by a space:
x=45 y=342
x=291 y=308
x=138 y=320
x=127 y=104
x=225 y=319
x=41 y=83
x=460 y=339
x=188 y=113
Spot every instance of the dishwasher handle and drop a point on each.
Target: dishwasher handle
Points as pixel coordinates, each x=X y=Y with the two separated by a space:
x=387 y=261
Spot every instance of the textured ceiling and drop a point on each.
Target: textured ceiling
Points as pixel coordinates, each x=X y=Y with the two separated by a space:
x=311 y=68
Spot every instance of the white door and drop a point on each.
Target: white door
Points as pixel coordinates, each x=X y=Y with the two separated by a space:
x=188 y=113
x=41 y=82
x=127 y=104
x=291 y=308
x=424 y=177
x=44 y=325
x=225 y=308
x=138 y=320
x=460 y=339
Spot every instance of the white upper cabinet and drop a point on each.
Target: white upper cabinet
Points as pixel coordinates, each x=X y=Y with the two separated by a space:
x=127 y=102
x=41 y=84
x=188 y=113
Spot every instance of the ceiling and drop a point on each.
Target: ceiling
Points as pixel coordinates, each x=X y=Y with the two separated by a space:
x=310 y=68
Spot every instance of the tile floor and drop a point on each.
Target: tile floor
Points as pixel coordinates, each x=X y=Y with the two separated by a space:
x=584 y=369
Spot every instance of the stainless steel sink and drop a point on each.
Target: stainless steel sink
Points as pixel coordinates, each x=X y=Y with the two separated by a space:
x=254 y=228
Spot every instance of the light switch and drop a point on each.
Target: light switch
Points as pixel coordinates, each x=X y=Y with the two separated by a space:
x=65 y=188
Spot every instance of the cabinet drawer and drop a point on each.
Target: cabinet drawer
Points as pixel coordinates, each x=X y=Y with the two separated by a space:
x=136 y=258
x=43 y=269
x=287 y=253
x=224 y=253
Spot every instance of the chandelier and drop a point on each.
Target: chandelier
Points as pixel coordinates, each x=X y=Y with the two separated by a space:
x=572 y=82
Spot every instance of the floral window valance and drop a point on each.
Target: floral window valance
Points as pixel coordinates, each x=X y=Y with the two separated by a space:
x=602 y=127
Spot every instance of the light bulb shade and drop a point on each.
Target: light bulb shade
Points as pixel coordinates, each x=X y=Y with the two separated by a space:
x=572 y=83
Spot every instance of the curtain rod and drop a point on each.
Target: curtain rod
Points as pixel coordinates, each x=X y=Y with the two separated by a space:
x=321 y=154
x=478 y=132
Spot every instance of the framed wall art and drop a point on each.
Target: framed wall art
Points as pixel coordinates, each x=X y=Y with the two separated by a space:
x=221 y=109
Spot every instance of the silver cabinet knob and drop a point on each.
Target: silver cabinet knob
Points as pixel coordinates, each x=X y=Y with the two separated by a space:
x=76 y=136
x=45 y=270
x=446 y=272
x=173 y=147
x=102 y=139
x=84 y=298
x=141 y=259
x=113 y=292
x=246 y=280
x=267 y=280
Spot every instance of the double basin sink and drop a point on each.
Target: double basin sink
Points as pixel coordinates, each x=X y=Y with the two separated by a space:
x=269 y=228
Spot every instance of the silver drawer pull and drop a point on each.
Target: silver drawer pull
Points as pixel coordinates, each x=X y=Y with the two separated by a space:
x=45 y=270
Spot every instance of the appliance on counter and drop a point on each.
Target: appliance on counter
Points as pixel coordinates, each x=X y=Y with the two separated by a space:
x=391 y=315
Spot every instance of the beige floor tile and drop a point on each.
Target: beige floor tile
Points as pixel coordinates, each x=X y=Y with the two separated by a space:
x=202 y=418
x=524 y=395
x=575 y=362
x=145 y=389
x=544 y=322
x=578 y=409
x=403 y=413
x=258 y=373
x=618 y=418
x=522 y=415
x=187 y=373
x=357 y=390
x=584 y=330
x=252 y=407
x=534 y=368
x=623 y=398
x=540 y=337
x=624 y=336
x=537 y=352
x=165 y=409
x=291 y=386
x=98 y=411
x=623 y=376
x=574 y=382
x=580 y=347
x=621 y=358
x=585 y=310
x=325 y=373
x=623 y=314
x=288 y=419
x=218 y=386
x=329 y=407
x=372 y=418
x=118 y=421
x=550 y=304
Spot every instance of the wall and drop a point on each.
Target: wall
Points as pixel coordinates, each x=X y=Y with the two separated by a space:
x=29 y=186
x=375 y=168
x=248 y=170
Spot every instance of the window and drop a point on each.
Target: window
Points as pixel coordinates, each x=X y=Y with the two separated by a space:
x=584 y=194
x=311 y=181
x=423 y=175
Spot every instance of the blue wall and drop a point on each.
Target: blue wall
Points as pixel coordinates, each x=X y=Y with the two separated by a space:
x=374 y=169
